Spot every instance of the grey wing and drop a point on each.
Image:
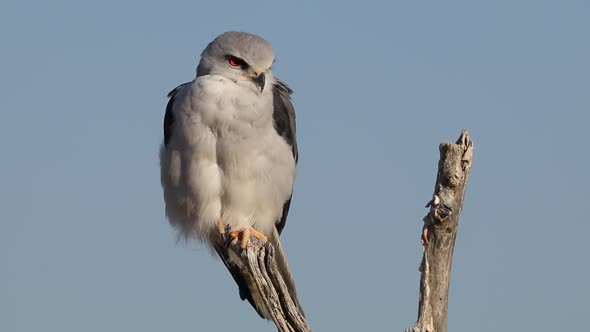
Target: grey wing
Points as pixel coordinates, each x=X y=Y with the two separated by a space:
x=169 y=116
x=284 y=124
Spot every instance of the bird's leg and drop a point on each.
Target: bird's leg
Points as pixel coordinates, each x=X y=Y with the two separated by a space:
x=223 y=231
x=244 y=235
x=222 y=226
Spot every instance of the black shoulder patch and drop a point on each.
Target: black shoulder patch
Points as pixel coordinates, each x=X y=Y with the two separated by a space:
x=284 y=124
x=284 y=115
x=169 y=116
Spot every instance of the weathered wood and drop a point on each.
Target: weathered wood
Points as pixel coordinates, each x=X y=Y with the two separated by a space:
x=263 y=274
x=439 y=233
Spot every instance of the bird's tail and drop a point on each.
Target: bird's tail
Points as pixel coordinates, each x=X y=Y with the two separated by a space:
x=283 y=267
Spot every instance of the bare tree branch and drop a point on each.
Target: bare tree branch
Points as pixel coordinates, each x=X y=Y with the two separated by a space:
x=439 y=233
x=263 y=275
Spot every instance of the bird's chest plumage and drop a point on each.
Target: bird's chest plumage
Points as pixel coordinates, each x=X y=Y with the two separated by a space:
x=239 y=168
x=241 y=125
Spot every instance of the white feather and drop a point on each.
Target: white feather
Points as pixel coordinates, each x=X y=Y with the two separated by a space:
x=224 y=158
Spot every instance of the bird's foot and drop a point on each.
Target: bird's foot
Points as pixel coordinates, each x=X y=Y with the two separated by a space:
x=223 y=229
x=222 y=226
x=245 y=234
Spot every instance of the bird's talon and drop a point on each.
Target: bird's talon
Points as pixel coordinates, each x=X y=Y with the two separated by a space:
x=244 y=235
x=221 y=226
x=234 y=234
x=223 y=229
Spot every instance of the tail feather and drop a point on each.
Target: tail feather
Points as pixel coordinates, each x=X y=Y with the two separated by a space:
x=283 y=267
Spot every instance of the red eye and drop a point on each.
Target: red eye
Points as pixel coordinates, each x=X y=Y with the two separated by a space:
x=233 y=61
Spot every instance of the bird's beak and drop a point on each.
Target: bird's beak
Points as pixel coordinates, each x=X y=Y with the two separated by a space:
x=259 y=80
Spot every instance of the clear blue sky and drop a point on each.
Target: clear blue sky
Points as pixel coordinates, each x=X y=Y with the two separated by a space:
x=84 y=243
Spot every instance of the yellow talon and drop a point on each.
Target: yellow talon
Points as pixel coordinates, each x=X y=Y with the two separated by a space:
x=245 y=234
x=221 y=225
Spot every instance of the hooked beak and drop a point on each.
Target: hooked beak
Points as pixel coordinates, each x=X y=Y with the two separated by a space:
x=259 y=80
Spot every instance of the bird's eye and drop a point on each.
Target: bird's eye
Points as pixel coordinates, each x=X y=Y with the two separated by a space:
x=235 y=62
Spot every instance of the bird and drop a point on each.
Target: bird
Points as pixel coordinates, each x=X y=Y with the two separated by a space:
x=229 y=155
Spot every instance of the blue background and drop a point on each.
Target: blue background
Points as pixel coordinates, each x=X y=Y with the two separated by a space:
x=84 y=243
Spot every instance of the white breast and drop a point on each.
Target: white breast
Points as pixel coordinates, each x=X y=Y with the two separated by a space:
x=225 y=159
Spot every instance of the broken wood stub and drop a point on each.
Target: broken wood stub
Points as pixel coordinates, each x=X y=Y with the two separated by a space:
x=439 y=233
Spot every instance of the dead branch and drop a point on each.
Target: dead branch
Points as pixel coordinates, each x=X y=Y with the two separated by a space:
x=265 y=280
x=439 y=233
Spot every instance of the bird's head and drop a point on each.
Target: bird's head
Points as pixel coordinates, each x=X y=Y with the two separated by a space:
x=239 y=56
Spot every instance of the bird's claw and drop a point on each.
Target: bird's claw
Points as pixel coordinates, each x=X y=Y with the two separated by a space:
x=244 y=235
x=224 y=230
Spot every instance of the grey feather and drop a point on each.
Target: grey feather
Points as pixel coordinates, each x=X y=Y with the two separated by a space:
x=169 y=116
x=284 y=115
x=284 y=124
x=283 y=267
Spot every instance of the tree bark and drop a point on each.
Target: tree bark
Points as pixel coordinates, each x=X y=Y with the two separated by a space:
x=263 y=274
x=439 y=233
